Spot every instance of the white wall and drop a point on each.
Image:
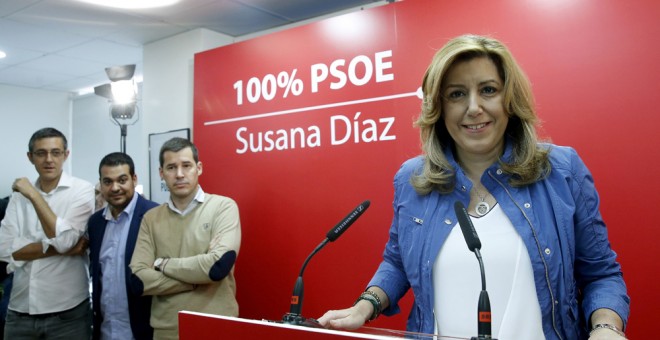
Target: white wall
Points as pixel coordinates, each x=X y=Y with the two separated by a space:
x=22 y=112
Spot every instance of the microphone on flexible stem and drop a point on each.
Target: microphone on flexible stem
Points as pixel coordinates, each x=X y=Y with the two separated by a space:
x=473 y=243
x=294 y=316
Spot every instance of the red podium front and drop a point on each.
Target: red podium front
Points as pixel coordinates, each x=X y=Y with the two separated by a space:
x=199 y=326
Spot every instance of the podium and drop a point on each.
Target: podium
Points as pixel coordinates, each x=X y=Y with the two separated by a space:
x=200 y=326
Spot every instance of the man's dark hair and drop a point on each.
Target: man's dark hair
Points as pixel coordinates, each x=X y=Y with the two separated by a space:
x=116 y=159
x=177 y=144
x=48 y=132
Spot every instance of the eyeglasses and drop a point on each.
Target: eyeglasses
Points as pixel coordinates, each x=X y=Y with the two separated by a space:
x=56 y=153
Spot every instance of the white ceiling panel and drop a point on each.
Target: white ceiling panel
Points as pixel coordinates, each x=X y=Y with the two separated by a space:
x=36 y=38
x=75 y=18
x=66 y=65
x=27 y=77
x=65 y=45
x=143 y=32
x=105 y=52
x=8 y=7
x=17 y=55
x=230 y=18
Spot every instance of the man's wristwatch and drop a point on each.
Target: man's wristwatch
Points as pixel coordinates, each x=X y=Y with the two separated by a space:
x=158 y=263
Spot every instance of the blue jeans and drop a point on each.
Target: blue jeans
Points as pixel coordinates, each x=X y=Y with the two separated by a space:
x=72 y=324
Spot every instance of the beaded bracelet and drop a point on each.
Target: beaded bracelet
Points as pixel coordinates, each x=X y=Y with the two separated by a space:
x=375 y=297
x=374 y=300
x=610 y=327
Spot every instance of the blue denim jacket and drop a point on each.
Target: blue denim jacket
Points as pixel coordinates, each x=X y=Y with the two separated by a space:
x=575 y=270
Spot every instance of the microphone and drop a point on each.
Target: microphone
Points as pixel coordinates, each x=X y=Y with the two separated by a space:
x=469 y=233
x=341 y=227
x=474 y=244
x=294 y=316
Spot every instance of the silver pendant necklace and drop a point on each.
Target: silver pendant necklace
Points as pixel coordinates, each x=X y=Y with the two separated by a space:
x=482 y=207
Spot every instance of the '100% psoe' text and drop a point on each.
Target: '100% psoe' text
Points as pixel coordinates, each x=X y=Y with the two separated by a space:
x=358 y=71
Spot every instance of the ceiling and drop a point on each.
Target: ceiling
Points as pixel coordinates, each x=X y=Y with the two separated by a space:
x=65 y=45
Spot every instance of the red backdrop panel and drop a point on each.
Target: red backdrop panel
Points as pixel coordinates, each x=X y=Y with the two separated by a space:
x=302 y=125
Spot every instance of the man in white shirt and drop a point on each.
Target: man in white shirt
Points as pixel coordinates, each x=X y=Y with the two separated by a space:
x=42 y=241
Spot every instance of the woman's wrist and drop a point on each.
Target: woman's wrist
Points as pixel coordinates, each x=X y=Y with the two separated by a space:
x=365 y=309
x=606 y=320
x=605 y=327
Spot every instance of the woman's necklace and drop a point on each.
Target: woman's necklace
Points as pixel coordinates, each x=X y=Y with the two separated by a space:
x=482 y=207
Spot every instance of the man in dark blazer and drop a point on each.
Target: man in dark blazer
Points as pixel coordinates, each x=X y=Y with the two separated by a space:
x=112 y=232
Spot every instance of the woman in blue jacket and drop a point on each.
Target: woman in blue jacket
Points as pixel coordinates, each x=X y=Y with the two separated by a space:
x=550 y=269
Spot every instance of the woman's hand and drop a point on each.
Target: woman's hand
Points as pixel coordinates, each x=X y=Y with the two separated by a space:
x=349 y=318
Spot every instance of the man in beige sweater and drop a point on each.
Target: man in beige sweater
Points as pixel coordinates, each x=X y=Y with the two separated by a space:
x=186 y=249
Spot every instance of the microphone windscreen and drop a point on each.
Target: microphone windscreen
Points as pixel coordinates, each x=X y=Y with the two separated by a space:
x=470 y=234
x=341 y=227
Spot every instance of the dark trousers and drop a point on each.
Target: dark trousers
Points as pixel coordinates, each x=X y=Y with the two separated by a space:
x=72 y=324
x=4 y=302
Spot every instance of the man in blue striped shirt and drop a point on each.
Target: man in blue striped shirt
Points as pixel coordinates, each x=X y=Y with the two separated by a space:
x=118 y=314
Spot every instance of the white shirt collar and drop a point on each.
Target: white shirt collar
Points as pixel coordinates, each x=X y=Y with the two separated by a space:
x=197 y=200
x=65 y=182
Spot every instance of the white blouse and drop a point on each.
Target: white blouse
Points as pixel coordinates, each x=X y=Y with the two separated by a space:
x=515 y=309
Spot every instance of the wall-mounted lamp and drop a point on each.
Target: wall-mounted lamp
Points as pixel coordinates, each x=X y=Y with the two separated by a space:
x=121 y=92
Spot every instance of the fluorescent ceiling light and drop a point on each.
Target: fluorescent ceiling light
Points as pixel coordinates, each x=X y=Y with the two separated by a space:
x=132 y=4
